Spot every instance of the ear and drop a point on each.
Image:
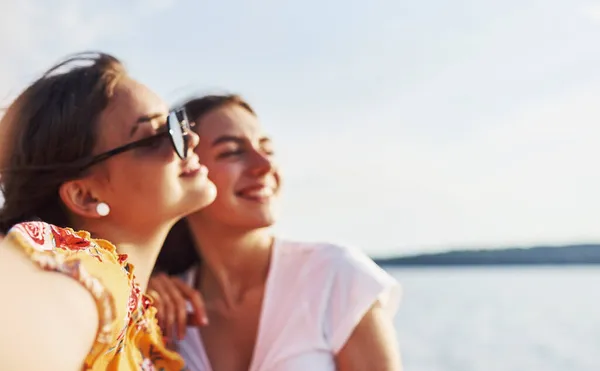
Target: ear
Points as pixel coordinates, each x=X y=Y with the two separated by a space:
x=79 y=198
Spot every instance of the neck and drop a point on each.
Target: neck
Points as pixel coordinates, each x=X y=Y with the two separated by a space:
x=233 y=260
x=142 y=248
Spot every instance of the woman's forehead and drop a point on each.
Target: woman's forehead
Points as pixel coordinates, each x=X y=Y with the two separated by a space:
x=131 y=102
x=230 y=120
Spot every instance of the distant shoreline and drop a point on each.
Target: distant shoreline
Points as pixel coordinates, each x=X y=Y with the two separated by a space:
x=588 y=254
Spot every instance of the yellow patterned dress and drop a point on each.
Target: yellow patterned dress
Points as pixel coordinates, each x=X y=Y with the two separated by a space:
x=128 y=336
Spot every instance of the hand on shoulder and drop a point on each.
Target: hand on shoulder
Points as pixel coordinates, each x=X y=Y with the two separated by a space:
x=171 y=297
x=48 y=320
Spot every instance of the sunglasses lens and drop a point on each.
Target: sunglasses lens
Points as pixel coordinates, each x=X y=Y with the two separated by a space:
x=177 y=135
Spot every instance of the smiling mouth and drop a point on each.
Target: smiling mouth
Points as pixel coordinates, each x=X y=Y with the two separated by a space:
x=258 y=194
x=193 y=170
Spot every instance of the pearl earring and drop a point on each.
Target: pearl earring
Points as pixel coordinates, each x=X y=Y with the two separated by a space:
x=102 y=209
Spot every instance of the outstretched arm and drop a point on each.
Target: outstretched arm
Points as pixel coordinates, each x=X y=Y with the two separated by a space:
x=48 y=321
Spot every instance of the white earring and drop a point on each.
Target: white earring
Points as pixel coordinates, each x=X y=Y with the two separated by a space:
x=102 y=209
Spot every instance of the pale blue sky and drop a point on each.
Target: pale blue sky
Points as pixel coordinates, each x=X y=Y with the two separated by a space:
x=401 y=126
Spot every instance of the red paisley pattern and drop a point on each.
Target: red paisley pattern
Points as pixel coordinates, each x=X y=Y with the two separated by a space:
x=35 y=230
x=134 y=299
x=127 y=325
x=67 y=239
x=122 y=258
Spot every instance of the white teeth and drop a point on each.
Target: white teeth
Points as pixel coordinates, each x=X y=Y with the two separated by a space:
x=261 y=192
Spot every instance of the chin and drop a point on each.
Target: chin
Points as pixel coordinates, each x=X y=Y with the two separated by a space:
x=258 y=221
x=201 y=198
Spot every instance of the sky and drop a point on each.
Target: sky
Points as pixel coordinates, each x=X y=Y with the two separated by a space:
x=401 y=127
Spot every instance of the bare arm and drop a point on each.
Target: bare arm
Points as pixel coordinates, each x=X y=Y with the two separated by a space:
x=48 y=321
x=372 y=346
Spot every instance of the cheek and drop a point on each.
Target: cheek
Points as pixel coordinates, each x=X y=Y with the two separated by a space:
x=224 y=176
x=225 y=191
x=142 y=182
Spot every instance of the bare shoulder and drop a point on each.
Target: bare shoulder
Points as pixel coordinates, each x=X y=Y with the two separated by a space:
x=373 y=344
x=48 y=320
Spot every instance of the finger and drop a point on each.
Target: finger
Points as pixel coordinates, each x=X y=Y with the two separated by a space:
x=192 y=320
x=180 y=309
x=164 y=288
x=196 y=300
x=154 y=287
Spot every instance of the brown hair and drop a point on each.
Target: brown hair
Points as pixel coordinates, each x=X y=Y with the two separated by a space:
x=179 y=253
x=51 y=125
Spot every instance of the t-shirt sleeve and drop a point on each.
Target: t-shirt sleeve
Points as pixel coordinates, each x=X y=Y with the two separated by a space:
x=357 y=284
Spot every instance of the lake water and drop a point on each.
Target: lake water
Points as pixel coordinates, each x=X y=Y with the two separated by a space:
x=500 y=318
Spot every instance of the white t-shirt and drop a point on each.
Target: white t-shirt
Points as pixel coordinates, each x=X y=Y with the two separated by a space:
x=315 y=295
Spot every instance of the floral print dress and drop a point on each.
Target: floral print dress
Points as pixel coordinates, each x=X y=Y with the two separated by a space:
x=128 y=336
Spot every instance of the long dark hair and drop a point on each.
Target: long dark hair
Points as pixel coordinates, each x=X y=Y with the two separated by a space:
x=52 y=123
x=179 y=253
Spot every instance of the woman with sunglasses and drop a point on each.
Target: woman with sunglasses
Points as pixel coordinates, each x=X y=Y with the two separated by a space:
x=270 y=304
x=88 y=147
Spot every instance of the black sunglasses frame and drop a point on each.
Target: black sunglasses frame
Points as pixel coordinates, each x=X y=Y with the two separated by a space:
x=181 y=120
x=74 y=168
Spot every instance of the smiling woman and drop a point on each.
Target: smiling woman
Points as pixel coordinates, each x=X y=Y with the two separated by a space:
x=86 y=147
x=266 y=302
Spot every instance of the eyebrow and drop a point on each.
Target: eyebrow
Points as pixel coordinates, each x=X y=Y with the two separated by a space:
x=143 y=119
x=238 y=140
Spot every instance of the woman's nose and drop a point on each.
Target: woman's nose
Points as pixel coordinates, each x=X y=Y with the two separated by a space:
x=193 y=139
x=261 y=163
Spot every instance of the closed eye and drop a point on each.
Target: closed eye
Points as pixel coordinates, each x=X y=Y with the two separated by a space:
x=232 y=153
x=154 y=141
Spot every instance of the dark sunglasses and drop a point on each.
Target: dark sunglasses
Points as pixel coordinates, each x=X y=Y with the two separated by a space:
x=177 y=128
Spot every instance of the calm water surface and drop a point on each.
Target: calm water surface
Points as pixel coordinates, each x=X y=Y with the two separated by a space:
x=500 y=318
